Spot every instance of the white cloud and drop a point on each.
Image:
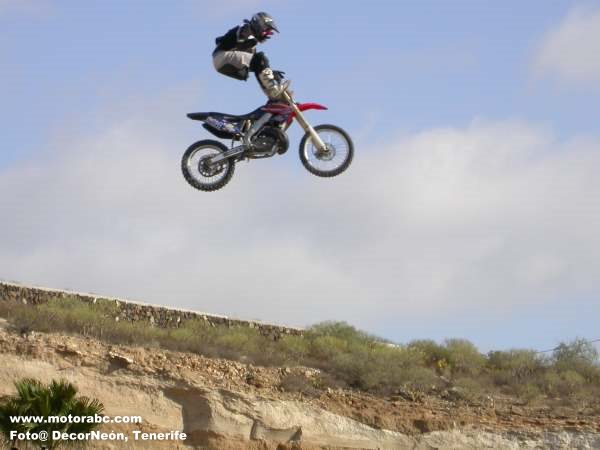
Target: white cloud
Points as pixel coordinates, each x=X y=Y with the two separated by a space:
x=572 y=50
x=493 y=215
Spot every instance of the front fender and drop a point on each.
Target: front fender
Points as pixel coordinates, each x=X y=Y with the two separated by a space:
x=305 y=107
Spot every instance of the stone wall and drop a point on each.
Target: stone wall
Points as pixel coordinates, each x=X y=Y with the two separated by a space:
x=133 y=311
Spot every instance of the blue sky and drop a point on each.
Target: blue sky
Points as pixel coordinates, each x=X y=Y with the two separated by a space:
x=403 y=64
x=483 y=116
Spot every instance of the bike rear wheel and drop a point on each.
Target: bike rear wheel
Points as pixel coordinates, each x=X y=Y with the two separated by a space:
x=335 y=159
x=198 y=173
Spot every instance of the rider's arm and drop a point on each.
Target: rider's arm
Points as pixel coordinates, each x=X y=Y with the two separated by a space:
x=238 y=38
x=245 y=38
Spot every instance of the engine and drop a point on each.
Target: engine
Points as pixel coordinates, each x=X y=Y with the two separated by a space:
x=270 y=140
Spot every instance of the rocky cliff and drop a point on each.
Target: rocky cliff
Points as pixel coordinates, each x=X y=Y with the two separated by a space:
x=224 y=405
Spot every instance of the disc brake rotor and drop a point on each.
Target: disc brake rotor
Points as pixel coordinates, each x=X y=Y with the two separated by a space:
x=326 y=155
x=205 y=169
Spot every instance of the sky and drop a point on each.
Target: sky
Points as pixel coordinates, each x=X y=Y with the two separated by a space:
x=471 y=210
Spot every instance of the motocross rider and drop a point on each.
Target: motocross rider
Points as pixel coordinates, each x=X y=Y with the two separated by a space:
x=235 y=55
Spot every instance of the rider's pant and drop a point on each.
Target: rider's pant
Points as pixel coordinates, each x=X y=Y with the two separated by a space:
x=237 y=64
x=233 y=63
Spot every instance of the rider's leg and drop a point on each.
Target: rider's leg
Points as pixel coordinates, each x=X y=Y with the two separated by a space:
x=233 y=63
x=267 y=80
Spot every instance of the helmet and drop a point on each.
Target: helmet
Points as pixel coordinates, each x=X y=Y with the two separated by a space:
x=262 y=25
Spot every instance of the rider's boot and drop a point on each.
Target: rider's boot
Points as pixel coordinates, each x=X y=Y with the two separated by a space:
x=271 y=86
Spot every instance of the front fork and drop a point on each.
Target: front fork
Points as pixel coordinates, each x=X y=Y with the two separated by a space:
x=304 y=124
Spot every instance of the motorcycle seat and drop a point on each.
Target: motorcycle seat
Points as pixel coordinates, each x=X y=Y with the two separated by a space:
x=230 y=117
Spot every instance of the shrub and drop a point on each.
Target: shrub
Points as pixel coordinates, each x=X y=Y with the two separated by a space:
x=341 y=330
x=528 y=392
x=298 y=383
x=577 y=351
x=432 y=354
x=418 y=378
x=463 y=357
x=579 y=356
x=470 y=388
x=514 y=365
x=570 y=383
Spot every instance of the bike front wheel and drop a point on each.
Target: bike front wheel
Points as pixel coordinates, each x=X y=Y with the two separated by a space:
x=334 y=159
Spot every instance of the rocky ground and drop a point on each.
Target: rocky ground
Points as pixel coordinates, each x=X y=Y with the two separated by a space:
x=229 y=405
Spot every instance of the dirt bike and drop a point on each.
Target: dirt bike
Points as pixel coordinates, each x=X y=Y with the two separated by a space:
x=208 y=165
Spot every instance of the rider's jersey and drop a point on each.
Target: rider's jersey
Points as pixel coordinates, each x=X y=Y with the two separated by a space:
x=239 y=38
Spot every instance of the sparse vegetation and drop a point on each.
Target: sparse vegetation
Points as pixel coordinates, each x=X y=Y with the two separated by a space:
x=345 y=355
x=299 y=383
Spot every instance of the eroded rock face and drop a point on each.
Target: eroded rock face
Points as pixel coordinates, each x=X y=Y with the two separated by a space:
x=239 y=416
x=211 y=417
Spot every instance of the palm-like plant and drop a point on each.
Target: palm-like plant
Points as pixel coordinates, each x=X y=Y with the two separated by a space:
x=11 y=407
x=59 y=398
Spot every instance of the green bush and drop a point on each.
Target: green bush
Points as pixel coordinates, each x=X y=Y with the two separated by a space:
x=528 y=392
x=577 y=351
x=580 y=356
x=514 y=365
x=463 y=357
x=432 y=354
x=298 y=383
x=341 y=330
x=458 y=356
x=470 y=388
x=564 y=384
x=418 y=378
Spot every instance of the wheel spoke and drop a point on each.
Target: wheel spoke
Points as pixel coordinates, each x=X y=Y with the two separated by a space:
x=331 y=162
x=337 y=144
